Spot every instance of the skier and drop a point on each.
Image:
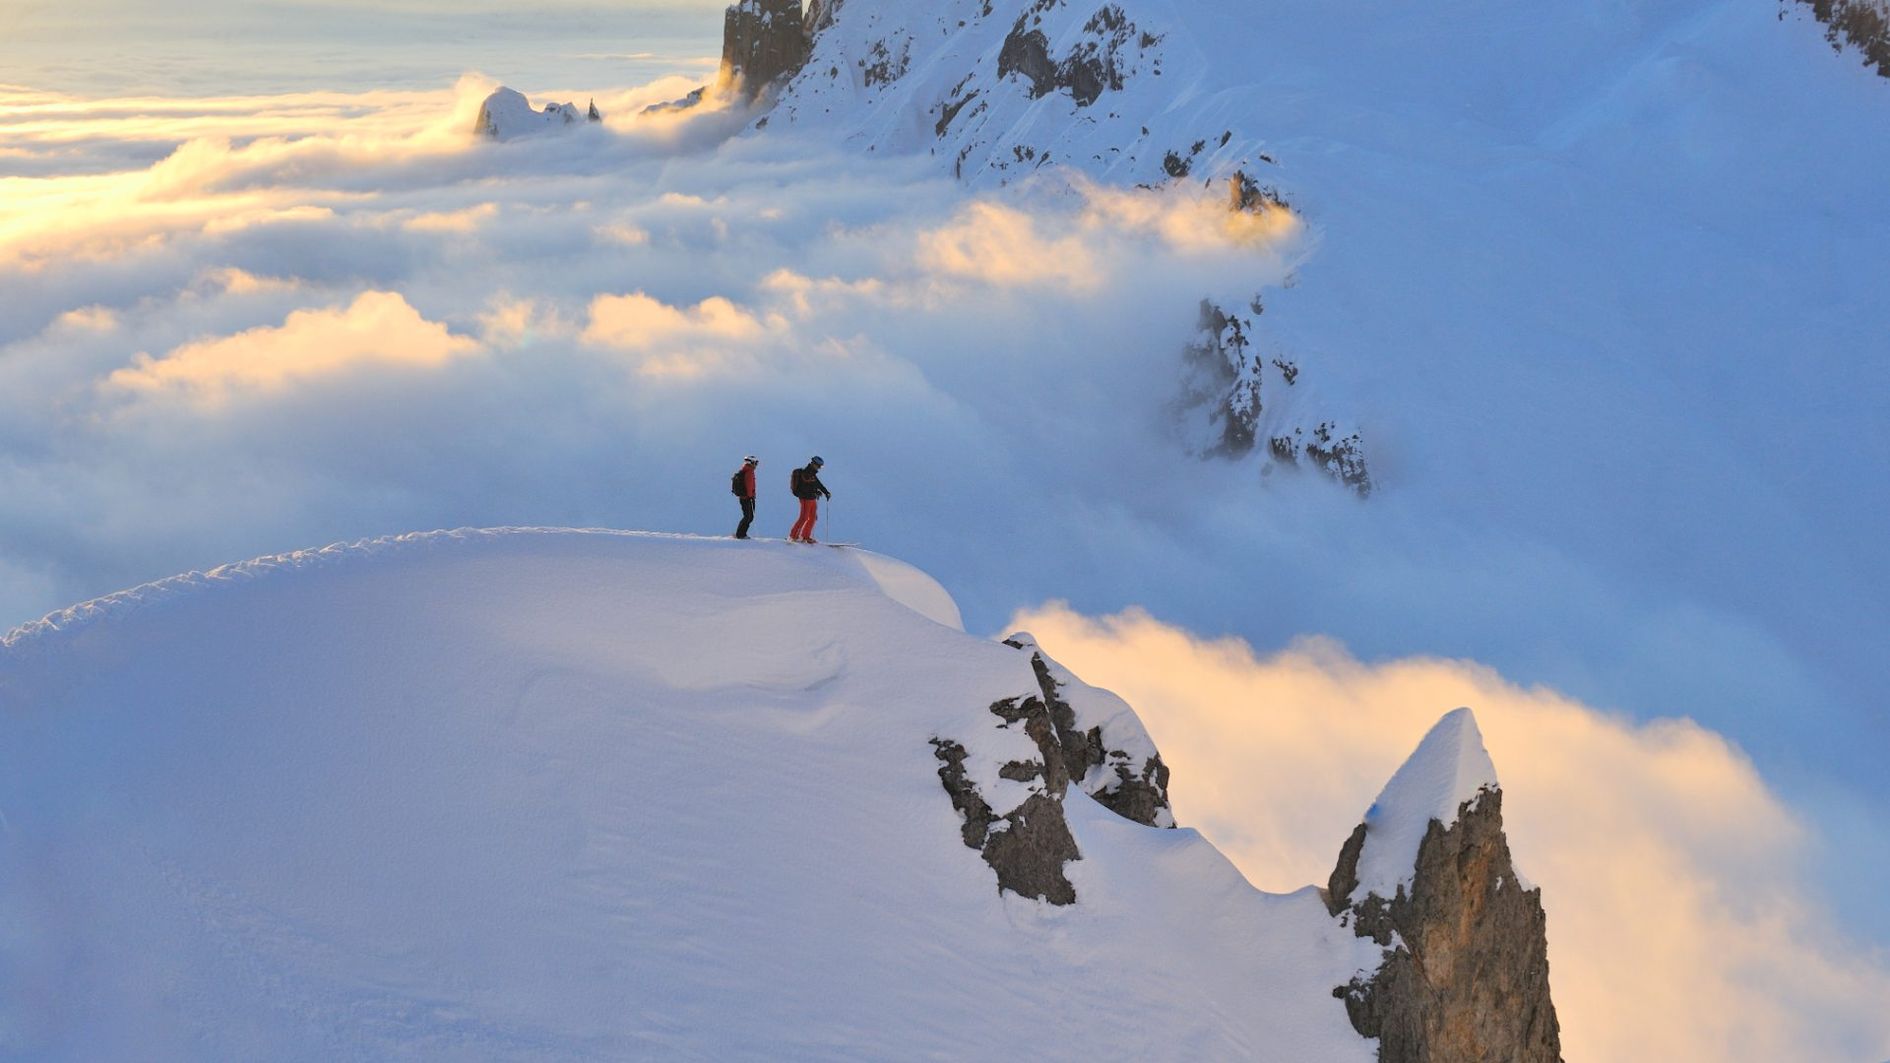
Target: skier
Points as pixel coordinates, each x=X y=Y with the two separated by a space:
x=808 y=488
x=743 y=484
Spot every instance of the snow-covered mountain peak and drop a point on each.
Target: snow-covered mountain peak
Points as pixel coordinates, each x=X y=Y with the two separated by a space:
x=1446 y=775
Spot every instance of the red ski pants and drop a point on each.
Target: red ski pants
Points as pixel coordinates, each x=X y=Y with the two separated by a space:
x=804 y=528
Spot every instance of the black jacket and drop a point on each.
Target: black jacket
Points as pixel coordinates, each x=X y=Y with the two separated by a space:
x=810 y=485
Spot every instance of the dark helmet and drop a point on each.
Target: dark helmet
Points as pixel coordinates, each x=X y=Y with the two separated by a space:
x=817 y=463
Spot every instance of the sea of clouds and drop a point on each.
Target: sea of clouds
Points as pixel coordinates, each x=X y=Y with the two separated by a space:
x=235 y=325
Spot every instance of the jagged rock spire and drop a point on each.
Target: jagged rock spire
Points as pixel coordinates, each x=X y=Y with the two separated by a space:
x=1428 y=875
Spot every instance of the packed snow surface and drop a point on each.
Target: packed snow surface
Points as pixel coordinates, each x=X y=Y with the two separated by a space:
x=1449 y=769
x=534 y=794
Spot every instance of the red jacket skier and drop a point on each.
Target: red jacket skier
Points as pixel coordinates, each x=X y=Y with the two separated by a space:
x=743 y=484
x=808 y=488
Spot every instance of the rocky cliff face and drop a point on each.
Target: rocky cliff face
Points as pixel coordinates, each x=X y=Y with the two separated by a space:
x=1465 y=974
x=763 y=41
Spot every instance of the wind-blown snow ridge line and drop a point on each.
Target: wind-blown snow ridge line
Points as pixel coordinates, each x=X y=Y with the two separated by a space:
x=77 y=617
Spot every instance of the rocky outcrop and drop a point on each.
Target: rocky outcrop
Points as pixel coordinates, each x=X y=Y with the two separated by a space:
x=1109 y=760
x=1098 y=62
x=1012 y=805
x=763 y=42
x=1465 y=974
x=1028 y=843
x=1233 y=395
x=1862 y=24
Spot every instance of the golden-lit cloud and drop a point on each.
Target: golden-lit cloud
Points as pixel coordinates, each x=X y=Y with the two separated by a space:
x=1187 y=218
x=235 y=281
x=237 y=163
x=992 y=243
x=624 y=233
x=1681 y=924
x=509 y=322
x=452 y=221
x=675 y=340
x=803 y=295
x=377 y=328
x=88 y=319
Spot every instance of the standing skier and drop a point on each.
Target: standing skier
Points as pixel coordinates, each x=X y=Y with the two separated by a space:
x=808 y=488
x=743 y=484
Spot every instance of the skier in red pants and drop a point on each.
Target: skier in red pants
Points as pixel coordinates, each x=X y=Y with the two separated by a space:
x=808 y=488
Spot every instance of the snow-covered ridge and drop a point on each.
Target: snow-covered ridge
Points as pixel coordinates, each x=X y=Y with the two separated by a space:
x=472 y=793
x=901 y=581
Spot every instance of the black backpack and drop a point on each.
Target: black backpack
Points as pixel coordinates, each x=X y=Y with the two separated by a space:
x=739 y=484
x=794 y=480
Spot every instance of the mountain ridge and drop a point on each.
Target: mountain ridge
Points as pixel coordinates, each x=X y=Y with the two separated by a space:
x=347 y=767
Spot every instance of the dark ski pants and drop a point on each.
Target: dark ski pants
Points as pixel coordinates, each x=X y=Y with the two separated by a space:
x=748 y=517
x=810 y=512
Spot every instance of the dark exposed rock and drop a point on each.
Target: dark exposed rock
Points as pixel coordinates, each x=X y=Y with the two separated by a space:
x=1027 y=845
x=1035 y=717
x=881 y=66
x=1095 y=64
x=1137 y=791
x=1220 y=377
x=1341 y=457
x=1223 y=390
x=1246 y=194
x=950 y=111
x=1863 y=24
x=1466 y=967
x=763 y=41
x=1027 y=53
x=1029 y=852
x=820 y=15
x=965 y=797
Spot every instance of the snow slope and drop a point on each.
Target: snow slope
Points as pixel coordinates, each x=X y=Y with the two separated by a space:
x=531 y=794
